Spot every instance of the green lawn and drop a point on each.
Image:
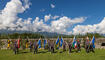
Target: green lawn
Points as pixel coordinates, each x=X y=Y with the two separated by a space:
x=44 y=55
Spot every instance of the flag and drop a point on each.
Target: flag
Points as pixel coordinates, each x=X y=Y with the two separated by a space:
x=18 y=43
x=61 y=42
x=93 y=41
x=74 y=44
x=45 y=41
x=57 y=43
x=27 y=42
x=8 y=43
x=39 y=43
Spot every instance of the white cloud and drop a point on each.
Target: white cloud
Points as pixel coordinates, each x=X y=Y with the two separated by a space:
x=58 y=26
x=38 y=25
x=95 y=28
x=55 y=17
x=52 y=6
x=63 y=23
x=10 y=20
x=47 y=17
x=27 y=3
x=8 y=16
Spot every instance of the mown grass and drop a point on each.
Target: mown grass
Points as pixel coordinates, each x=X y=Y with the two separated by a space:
x=58 y=55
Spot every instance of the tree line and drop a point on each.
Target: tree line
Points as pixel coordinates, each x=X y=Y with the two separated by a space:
x=38 y=35
x=21 y=35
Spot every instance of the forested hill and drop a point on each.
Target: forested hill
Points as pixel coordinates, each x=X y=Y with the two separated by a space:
x=44 y=35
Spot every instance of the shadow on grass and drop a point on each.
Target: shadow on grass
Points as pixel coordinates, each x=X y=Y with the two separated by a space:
x=23 y=52
x=42 y=52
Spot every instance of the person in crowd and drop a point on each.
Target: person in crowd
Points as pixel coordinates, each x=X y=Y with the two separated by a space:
x=70 y=46
x=35 y=47
x=64 y=46
x=78 y=46
x=87 y=45
x=15 y=47
x=49 y=45
x=52 y=46
x=31 y=46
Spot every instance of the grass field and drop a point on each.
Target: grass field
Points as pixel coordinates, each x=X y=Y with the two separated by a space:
x=44 y=55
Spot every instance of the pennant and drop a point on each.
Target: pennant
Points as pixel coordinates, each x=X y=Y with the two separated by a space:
x=18 y=43
x=39 y=43
x=74 y=42
x=61 y=42
x=57 y=43
x=93 y=41
x=45 y=41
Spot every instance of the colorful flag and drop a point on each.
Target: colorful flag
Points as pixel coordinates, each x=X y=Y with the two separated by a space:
x=61 y=42
x=93 y=41
x=18 y=43
x=74 y=44
x=8 y=43
x=57 y=43
x=27 y=42
x=39 y=43
x=45 y=41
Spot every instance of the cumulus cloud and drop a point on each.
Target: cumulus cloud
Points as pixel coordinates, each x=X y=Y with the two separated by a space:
x=8 y=15
x=26 y=4
x=9 y=20
x=52 y=6
x=47 y=17
x=58 y=26
x=38 y=25
x=64 y=22
x=24 y=25
x=95 y=28
x=55 y=17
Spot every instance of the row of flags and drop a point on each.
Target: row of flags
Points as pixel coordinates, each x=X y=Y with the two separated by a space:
x=59 y=42
x=45 y=42
x=39 y=43
x=74 y=43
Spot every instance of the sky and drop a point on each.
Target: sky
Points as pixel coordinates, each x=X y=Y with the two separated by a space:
x=60 y=16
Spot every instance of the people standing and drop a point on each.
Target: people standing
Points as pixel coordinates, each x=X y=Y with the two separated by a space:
x=31 y=46
x=49 y=45
x=70 y=46
x=52 y=47
x=78 y=46
x=87 y=45
x=92 y=45
x=91 y=48
x=35 y=47
x=64 y=46
x=15 y=47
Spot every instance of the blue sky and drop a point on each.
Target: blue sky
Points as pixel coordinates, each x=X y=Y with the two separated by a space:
x=93 y=10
